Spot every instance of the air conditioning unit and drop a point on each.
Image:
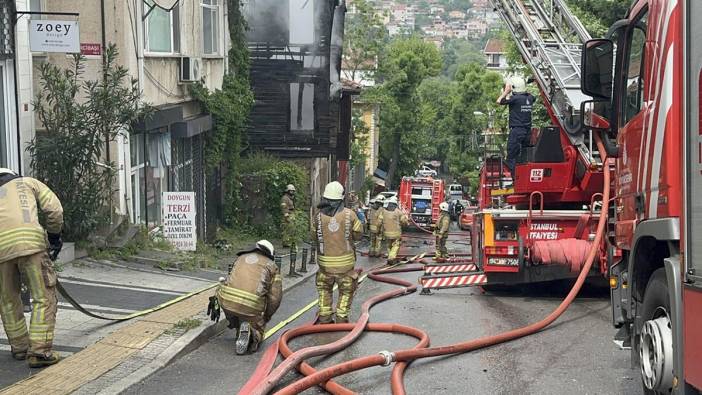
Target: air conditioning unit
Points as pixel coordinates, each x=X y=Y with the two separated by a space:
x=190 y=69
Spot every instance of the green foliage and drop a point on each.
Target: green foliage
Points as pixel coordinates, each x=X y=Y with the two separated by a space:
x=598 y=15
x=266 y=177
x=364 y=38
x=230 y=108
x=405 y=64
x=361 y=134
x=456 y=52
x=79 y=117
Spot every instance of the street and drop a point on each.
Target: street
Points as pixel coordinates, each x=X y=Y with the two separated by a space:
x=576 y=355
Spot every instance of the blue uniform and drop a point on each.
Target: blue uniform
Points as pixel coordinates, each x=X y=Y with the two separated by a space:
x=520 y=108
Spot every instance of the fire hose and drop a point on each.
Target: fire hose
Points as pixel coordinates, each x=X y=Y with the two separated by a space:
x=403 y=357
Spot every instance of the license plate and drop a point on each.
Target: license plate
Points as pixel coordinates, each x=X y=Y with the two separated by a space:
x=503 y=261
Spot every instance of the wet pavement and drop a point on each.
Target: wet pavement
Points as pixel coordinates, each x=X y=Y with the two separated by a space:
x=575 y=356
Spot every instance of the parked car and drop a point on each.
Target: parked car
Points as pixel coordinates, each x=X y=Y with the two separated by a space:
x=465 y=221
x=426 y=171
x=455 y=191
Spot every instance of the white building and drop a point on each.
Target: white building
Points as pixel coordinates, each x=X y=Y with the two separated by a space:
x=495 y=54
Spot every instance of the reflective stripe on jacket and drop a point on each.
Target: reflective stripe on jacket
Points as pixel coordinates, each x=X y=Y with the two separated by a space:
x=20 y=231
x=443 y=224
x=254 y=287
x=335 y=237
x=374 y=220
x=392 y=222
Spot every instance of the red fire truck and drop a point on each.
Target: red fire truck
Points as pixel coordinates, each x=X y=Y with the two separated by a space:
x=420 y=198
x=649 y=114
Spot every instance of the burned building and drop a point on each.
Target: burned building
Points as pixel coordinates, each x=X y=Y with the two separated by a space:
x=295 y=48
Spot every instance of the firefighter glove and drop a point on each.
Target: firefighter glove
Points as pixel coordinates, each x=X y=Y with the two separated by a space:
x=55 y=245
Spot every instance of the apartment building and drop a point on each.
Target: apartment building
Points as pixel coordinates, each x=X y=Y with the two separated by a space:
x=166 y=45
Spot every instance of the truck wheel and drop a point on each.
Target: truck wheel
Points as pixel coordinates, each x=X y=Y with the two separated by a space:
x=655 y=343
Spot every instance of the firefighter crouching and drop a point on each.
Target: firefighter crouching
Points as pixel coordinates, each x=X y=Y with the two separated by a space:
x=251 y=295
x=441 y=232
x=374 y=227
x=287 y=207
x=23 y=249
x=392 y=220
x=336 y=229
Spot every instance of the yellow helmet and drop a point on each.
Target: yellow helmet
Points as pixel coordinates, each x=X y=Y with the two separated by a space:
x=333 y=191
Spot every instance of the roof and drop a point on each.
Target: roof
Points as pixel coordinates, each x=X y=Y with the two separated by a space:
x=351 y=86
x=494 y=45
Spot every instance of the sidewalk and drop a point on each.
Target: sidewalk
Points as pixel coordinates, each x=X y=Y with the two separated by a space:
x=108 y=358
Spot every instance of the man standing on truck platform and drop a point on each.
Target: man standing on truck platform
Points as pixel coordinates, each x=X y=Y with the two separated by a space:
x=520 y=107
x=392 y=220
x=441 y=232
x=336 y=228
x=23 y=249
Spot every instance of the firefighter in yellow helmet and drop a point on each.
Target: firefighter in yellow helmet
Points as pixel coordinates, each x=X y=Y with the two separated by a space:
x=251 y=294
x=376 y=236
x=23 y=249
x=335 y=229
x=441 y=232
x=287 y=207
x=391 y=219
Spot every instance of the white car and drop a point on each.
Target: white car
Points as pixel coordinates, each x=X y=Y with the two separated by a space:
x=426 y=171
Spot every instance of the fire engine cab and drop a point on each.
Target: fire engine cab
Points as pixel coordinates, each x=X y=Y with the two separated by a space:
x=420 y=198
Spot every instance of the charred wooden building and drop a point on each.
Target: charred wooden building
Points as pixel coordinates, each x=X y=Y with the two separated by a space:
x=300 y=107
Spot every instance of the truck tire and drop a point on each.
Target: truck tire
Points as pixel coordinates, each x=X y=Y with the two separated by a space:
x=655 y=343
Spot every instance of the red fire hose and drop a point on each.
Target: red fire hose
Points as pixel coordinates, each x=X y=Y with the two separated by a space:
x=403 y=357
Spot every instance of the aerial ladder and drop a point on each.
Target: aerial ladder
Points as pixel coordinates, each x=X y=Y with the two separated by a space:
x=557 y=176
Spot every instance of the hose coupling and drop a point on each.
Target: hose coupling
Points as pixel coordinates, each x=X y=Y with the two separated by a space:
x=389 y=357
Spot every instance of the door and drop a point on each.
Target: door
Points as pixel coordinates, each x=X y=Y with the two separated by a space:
x=692 y=289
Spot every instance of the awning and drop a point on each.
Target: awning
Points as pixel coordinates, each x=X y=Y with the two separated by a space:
x=191 y=127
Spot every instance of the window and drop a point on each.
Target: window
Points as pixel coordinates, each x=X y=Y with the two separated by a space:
x=210 y=26
x=635 y=69
x=35 y=6
x=301 y=107
x=161 y=29
x=302 y=21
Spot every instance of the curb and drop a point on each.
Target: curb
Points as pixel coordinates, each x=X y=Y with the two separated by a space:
x=183 y=346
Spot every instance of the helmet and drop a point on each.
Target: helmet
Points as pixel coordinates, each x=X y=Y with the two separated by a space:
x=518 y=84
x=265 y=246
x=373 y=201
x=333 y=191
x=6 y=171
x=380 y=198
x=391 y=200
x=290 y=188
x=443 y=206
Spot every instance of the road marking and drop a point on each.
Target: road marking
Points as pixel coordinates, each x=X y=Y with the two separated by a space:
x=119 y=286
x=96 y=308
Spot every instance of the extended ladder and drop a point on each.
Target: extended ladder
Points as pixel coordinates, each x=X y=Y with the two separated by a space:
x=550 y=39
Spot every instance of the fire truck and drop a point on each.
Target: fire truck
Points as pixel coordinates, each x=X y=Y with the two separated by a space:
x=420 y=198
x=538 y=224
x=648 y=114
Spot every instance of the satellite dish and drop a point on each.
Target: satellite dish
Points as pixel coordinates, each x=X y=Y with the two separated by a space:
x=165 y=4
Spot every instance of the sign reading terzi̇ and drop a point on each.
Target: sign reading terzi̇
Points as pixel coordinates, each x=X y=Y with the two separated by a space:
x=178 y=215
x=54 y=36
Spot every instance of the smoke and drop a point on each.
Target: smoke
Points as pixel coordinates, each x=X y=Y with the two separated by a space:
x=337 y=41
x=281 y=22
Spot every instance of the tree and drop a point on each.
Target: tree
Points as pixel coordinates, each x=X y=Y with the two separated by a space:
x=598 y=15
x=364 y=38
x=78 y=116
x=457 y=52
x=405 y=64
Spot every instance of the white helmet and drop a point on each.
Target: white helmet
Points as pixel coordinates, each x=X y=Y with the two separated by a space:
x=518 y=84
x=333 y=191
x=391 y=200
x=443 y=206
x=4 y=170
x=265 y=245
x=290 y=188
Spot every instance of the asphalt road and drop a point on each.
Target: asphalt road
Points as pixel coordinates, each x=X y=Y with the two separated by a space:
x=574 y=356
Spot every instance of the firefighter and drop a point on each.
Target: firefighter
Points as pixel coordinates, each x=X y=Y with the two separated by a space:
x=520 y=107
x=441 y=233
x=391 y=219
x=374 y=226
x=336 y=228
x=287 y=207
x=251 y=294
x=23 y=250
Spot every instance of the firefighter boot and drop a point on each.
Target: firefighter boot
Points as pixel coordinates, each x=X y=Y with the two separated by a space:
x=244 y=338
x=41 y=361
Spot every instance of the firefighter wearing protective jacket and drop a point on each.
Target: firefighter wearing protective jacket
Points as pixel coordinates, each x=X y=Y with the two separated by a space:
x=287 y=208
x=251 y=294
x=392 y=220
x=441 y=232
x=520 y=107
x=336 y=228
x=23 y=249
x=374 y=227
